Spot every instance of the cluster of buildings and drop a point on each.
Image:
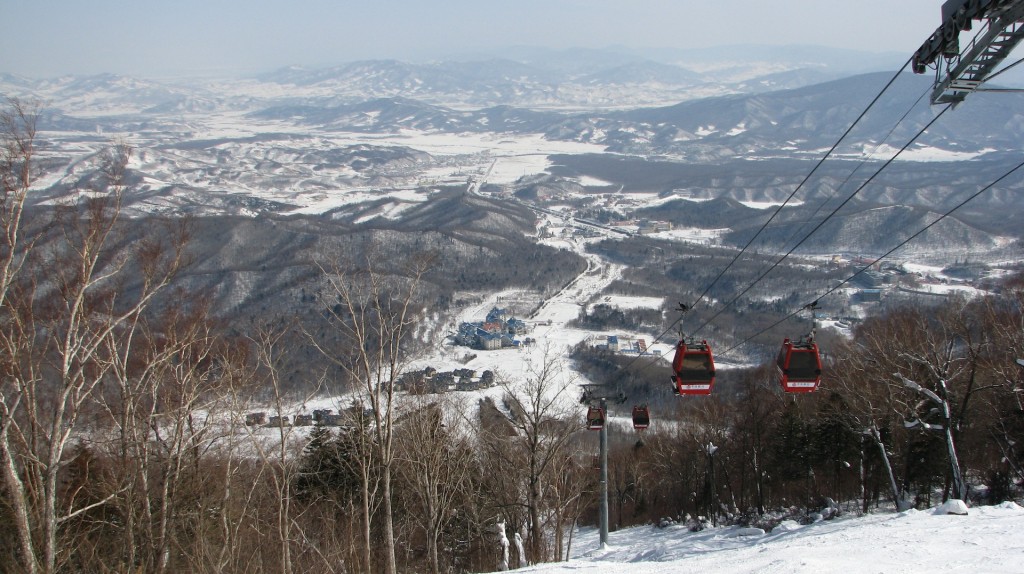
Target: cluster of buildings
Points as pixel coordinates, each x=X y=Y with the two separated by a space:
x=324 y=417
x=431 y=381
x=627 y=345
x=643 y=226
x=498 y=331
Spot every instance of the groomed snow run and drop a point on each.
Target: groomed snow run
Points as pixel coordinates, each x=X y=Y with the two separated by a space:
x=988 y=540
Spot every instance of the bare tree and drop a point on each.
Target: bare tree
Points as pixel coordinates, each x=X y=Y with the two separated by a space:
x=940 y=368
x=18 y=132
x=280 y=461
x=1005 y=321
x=374 y=312
x=568 y=487
x=864 y=386
x=545 y=417
x=435 y=459
x=169 y=392
x=58 y=332
x=753 y=420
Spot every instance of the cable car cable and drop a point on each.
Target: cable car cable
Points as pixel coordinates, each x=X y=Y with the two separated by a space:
x=834 y=211
x=887 y=254
x=804 y=181
x=800 y=186
x=827 y=218
x=861 y=164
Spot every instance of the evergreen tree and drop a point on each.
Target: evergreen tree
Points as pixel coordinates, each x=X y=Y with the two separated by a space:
x=324 y=469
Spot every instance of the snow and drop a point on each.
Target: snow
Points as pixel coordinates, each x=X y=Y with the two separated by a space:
x=691 y=235
x=390 y=211
x=768 y=204
x=943 y=289
x=633 y=302
x=922 y=269
x=554 y=338
x=921 y=153
x=549 y=327
x=465 y=143
x=986 y=540
x=323 y=202
x=590 y=181
x=740 y=128
x=508 y=169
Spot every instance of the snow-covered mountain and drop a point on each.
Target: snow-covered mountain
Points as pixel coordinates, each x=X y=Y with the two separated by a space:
x=300 y=141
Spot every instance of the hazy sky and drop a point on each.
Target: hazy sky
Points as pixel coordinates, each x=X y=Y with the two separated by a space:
x=43 y=38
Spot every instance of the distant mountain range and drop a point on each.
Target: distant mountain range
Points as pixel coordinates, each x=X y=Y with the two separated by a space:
x=741 y=124
x=518 y=76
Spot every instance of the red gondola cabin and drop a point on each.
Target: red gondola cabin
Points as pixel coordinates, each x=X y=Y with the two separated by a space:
x=595 y=418
x=799 y=366
x=694 y=368
x=641 y=417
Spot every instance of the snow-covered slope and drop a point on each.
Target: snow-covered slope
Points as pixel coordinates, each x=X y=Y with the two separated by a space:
x=987 y=540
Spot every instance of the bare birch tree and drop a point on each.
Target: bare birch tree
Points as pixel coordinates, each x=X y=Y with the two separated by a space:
x=434 y=462
x=545 y=417
x=374 y=312
x=864 y=385
x=18 y=133
x=62 y=314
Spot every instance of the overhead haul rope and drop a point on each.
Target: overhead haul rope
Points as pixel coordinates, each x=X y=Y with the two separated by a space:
x=855 y=170
x=802 y=183
x=800 y=186
x=861 y=164
x=887 y=254
x=828 y=217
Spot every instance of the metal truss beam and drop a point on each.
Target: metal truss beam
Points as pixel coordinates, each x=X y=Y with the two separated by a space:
x=958 y=73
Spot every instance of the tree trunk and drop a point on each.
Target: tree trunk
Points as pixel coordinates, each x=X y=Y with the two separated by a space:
x=536 y=534
x=389 y=525
x=367 y=534
x=897 y=499
x=17 y=500
x=959 y=487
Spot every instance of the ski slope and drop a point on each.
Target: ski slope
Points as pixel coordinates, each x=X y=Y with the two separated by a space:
x=987 y=540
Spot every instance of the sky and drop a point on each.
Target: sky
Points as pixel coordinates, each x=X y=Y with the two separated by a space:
x=150 y=38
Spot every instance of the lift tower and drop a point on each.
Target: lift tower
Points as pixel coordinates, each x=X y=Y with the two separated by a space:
x=597 y=396
x=961 y=72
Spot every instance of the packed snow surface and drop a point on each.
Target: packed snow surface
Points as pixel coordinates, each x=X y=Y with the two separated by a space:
x=987 y=540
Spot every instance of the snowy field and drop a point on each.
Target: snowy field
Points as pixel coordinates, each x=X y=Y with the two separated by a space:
x=988 y=540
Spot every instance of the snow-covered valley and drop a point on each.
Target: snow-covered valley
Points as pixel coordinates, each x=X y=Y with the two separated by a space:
x=326 y=146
